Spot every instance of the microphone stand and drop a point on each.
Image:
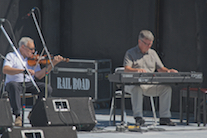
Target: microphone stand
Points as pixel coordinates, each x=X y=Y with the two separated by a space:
x=3 y=57
x=2 y=81
x=20 y=59
x=46 y=50
x=23 y=99
x=15 y=50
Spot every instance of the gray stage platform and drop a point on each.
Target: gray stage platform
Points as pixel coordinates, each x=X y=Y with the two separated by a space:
x=105 y=129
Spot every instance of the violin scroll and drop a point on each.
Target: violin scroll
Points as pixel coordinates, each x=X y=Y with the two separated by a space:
x=66 y=59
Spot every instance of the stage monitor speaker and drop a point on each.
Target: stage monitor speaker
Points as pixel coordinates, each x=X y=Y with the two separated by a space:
x=6 y=119
x=71 y=111
x=41 y=132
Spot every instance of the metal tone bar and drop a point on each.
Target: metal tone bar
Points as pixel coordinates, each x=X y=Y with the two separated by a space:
x=89 y=61
x=75 y=70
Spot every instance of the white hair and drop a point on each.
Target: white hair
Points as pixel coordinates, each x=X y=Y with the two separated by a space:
x=146 y=34
x=24 y=41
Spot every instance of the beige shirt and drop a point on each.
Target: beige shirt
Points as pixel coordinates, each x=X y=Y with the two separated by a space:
x=149 y=61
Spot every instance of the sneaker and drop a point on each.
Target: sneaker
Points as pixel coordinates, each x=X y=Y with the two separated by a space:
x=18 y=121
x=139 y=121
x=167 y=121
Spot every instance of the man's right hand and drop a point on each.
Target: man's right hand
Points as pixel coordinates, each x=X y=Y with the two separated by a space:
x=141 y=70
x=130 y=69
x=32 y=72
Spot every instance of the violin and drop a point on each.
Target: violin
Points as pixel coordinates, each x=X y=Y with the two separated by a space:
x=32 y=61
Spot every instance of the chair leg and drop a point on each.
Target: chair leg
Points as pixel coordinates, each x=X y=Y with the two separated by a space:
x=195 y=109
x=111 y=110
x=153 y=109
x=204 y=110
x=125 y=117
x=181 y=106
x=34 y=99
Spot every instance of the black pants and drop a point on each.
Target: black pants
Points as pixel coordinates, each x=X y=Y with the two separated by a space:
x=14 y=90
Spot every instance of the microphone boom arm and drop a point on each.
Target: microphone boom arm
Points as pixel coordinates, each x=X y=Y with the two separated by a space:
x=46 y=50
x=15 y=50
x=41 y=37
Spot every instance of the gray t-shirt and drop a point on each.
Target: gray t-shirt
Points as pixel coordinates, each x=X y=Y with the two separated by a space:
x=149 y=61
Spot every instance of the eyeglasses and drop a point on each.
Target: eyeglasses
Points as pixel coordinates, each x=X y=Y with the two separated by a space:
x=30 y=48
x=145 y=43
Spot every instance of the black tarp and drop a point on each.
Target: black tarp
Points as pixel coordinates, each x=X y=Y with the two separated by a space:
x=105 y=29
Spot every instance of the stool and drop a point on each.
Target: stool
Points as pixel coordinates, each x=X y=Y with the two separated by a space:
x=27 y=95
x=193 y=93
x=30 y=95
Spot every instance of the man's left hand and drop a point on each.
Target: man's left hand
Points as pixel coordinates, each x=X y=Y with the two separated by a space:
x=172 y=70
x=57 y=59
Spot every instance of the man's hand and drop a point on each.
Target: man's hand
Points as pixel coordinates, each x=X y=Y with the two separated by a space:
x=130 y=69
x=57 y=59
x=32 y=72
x=141 y=70
x=172 y=70
x=164 y=69
x=40 y=74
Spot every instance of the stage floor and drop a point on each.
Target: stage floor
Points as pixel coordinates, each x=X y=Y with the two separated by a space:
x=106 y=129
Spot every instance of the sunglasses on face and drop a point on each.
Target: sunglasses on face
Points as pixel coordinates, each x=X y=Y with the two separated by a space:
x=30 y=48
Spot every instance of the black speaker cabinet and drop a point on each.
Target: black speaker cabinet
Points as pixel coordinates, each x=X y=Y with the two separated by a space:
x=5 y=114
x=72 y=111
x=41 y=132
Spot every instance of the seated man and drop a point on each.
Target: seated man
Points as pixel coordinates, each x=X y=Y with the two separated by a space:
x=143 y=59
x=14 y=75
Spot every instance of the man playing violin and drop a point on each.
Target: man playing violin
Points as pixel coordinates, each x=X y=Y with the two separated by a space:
x=14 y=71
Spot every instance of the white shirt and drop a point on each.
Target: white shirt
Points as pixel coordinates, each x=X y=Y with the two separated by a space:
x=14 y=62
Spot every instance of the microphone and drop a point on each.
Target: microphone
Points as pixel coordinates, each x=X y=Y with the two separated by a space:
x=29 y=13
x=2 y=20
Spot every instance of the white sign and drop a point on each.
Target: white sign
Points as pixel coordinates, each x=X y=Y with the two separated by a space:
x=73 y=83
